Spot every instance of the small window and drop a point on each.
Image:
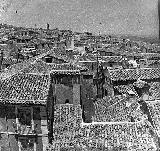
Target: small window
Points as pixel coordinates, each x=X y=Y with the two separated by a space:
x=116 y=92
x=111 y=65
x=67 y=101
x=76 y=80
x=105 y=92
x=7 y=65
x=48 y=59
x=26 y=143
x=87 y=77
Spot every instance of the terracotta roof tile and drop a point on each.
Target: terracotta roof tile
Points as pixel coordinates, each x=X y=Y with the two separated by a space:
x=23 y=88
x=133 y=74
x=9 y=61
x=93 y=58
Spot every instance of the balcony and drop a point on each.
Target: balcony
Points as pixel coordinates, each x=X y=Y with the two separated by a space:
x=25 y=130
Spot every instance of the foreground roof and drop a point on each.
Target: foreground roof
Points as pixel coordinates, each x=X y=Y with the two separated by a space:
x=25 y=89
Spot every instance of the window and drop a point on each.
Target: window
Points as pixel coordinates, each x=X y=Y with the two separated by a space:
x=24 y=116
x=26 y=143
x=76 y=80
x=116 y=92
x=66 y=80
x=24 y=119
x=49 y=59
x=87 y=77
x=58 y=80
x=7 y=65
x=105 y=92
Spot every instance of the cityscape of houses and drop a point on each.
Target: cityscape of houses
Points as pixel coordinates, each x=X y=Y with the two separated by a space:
x=68 y=91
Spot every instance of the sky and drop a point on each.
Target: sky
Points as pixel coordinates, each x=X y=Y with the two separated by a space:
x=118 y=17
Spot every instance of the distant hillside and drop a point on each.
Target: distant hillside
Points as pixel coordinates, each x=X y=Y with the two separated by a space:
x=139 y=38
x=145 y=39
x=134 y=17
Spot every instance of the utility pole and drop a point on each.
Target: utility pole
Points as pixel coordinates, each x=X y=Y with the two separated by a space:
x=1 y=59
x=97 y=77
x=35 y=26
x=100 y=77
x=159 y=16
x=97 y=70
x=18 y=54
x=97 y=61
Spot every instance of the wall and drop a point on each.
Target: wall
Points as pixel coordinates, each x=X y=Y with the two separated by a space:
x=62 y=93
x=8 y=117
x=76 y=94
x=3 y=126
x=11 y=118
x=87 y=94
x=44 y=130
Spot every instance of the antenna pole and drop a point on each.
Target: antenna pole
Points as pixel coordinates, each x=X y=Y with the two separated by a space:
x=1 y=61
x=97 y=78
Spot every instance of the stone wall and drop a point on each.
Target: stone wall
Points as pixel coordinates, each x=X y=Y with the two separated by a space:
x=62 y=93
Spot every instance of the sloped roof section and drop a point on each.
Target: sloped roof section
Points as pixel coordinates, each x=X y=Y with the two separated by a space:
x=111 y=58
x=93 y=58
x=133 y=74
x=38 y=67
x=105 y=113
x=145 y=55
x=19 y=67
x=25 y=89
x=58 y=53
x=9 y=61
x=126 y=88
